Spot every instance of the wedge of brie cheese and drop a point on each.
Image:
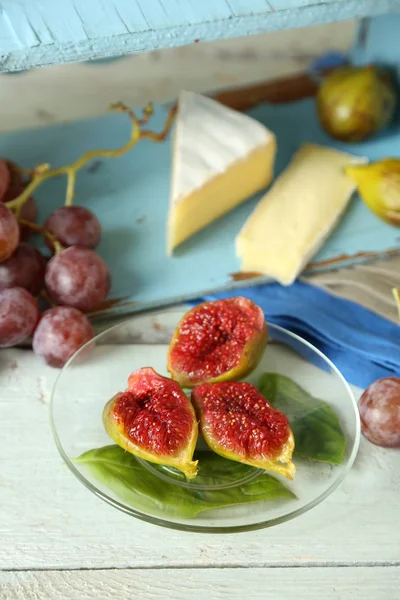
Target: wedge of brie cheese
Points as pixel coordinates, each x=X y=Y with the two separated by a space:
x=293 y=219
x=221 y=157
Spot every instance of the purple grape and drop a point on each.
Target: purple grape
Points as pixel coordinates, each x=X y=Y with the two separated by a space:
x=74 y=226
x=29 y=210
x=17 y=182
x=61 y=332
x=28 y=213
x=9 y=232
x=379 y=408
x=25 y=268
x=78 y=277
x=5 y=179
x=19 y=314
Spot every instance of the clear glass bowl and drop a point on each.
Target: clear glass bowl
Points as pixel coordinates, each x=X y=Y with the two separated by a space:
x=101 y=368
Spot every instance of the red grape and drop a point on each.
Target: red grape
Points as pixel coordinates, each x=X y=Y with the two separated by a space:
x=5 y=179
x=9 y=232
x=61 y=332
x=17 y=182
x=78 y=277
x=380 y=412
x=29 y=213
x=19 y=314
x=74 y=226
x=25 y=268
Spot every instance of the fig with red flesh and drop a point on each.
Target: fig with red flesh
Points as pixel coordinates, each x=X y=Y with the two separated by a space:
x=238 y=423
x=223 y=340
x=154 y=420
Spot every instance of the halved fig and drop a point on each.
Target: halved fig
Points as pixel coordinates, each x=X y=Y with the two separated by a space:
x=223 y=340
x=154 y=420
x=238 y=423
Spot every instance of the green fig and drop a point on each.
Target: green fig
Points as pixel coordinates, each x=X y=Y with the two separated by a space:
x=238 y=423
x=223 y=340
x=379 y=186
x=354 y=103
x=154 y=420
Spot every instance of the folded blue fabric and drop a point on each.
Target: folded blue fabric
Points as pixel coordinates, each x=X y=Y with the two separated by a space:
x=363 y=345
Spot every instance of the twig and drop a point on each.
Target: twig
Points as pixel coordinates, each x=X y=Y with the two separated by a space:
x=160 y=137
x=43 y=172
x=47 y=234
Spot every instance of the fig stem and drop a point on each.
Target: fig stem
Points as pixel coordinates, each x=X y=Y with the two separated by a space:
x=47 y=234
x=43 y=172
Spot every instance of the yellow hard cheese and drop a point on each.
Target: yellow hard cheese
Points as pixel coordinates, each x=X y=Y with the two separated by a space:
x=291 y=222
x=221 y=158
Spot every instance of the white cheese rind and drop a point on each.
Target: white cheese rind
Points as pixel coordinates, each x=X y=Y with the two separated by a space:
x=221 y=158
x=210 y=137
x=291 y=222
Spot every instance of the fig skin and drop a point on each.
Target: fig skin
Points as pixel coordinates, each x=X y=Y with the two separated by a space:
x=238 y=423
x=141 y=384
x=379 y=186
x=355 y=103
x=220 y=340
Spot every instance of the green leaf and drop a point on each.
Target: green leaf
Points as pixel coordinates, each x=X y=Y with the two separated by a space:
x=315 y=425
x=135 y=485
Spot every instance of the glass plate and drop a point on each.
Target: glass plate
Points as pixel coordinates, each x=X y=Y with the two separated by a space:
x=101 y=368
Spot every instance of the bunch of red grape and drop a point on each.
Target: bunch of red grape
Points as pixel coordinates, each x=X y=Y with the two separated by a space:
x=75 y=278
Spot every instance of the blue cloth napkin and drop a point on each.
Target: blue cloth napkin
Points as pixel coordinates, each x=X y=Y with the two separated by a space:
x=362 y=345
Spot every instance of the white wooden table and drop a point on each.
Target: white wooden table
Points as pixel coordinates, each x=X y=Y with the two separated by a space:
x=58 y=541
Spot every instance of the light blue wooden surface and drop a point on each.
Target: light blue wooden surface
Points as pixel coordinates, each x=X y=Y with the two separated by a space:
x=130 y=196
x=378 y=42
x=56 y=31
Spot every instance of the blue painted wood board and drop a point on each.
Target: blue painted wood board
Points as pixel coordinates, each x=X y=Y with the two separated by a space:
x=378 y=42
x=57 y=31
x=130 y=195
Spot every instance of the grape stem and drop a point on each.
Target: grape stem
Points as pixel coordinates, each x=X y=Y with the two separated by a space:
x=47 y=234
x=47 y=298
x=43 y=171
x=70 y=188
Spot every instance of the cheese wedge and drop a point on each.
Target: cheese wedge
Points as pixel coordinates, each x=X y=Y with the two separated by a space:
x=293 y=219
x=221 y=158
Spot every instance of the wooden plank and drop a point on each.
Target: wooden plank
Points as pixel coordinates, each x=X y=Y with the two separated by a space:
x=104 y=20
x=49 y=520
x=289 y=4
x=379 y=583
x=162 y=14
x=241 y=7
x=77 y=91
x=95 y=29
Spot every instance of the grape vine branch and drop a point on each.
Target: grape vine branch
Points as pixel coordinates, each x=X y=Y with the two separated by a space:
x=42 y=172
x=47 y=234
